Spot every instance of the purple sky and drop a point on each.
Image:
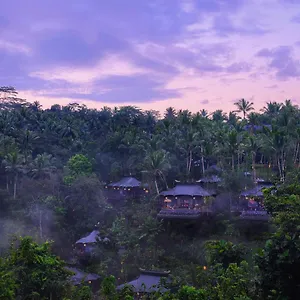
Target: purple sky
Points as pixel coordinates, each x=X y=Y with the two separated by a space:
x=190 y=54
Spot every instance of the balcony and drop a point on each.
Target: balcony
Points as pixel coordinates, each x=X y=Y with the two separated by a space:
x=254 y=215
x=184 y=213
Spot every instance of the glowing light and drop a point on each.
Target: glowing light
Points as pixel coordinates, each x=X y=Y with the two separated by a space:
x=204 y=268
x=147 y=191
x=90 y=282
x=84 y=245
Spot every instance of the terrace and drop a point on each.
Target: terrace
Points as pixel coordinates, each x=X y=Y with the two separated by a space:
x=127 y=187
x=186 y=201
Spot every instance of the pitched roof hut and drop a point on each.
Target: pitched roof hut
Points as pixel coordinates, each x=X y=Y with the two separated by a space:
x=89 y=278
x=191 y=190
x=256 y=192
x=126 y=182
x=127 y=187
x=185 y=201
x=148 y=282
x=92 y=238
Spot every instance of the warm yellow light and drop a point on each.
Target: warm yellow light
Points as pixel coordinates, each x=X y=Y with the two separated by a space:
x=90 y=282
x=204 y=268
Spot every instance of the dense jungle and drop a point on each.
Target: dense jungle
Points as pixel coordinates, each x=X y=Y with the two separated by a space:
x=56 y=164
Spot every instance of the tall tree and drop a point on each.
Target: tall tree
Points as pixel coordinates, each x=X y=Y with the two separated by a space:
x=244 y=107
x=157 y=164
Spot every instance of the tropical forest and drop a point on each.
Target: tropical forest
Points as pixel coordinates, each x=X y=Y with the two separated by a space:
x=122 y=203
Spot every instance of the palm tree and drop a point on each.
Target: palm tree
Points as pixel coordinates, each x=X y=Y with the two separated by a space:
x=26 y=140
x=232 y=146
x=204 y=113
x=253 y=146
x=253 y=120
x=14 y=165
x=276 y=144
x=219 y=116
x=244 y=107
x=42 y=166
x=157 y=164
x=233 y=119
x=272 y=108
x=170 y=113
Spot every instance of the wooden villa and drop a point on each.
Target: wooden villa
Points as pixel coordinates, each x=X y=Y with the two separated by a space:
x=86 y=245
x=252 y=202
x=79 y=277
x=186 y=201
x=148 y=282
x=127 y=187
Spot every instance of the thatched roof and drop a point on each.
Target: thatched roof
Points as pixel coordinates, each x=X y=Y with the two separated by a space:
x=126 y=182
x=89 y=239
x=147 y=282
x=255 y=192
x=80 y=276
x=210 y=179
x=187 y=190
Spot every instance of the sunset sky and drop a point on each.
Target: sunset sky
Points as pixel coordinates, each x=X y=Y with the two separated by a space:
x=189 y=54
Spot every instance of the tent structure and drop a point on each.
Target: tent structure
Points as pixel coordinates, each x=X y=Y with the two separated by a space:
x=93 y=237
x=126 y=182
x=191 y=190
x=148 y=282
x=79 y=277
x=256 y=191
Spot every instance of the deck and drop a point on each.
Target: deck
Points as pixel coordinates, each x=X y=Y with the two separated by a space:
x=184 y=213
x=254 y=215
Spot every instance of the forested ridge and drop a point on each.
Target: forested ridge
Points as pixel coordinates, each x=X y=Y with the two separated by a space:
x=55 y=164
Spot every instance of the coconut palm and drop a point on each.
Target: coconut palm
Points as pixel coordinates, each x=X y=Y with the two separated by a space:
x=156 y=165
x=244 y=107
x=272 y=108
x=254 y=144
x=170 y=113
x=42 y=166
x=14 y=166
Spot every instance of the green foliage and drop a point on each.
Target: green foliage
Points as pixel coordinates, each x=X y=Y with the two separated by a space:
x=279 y=261
x=7 y=282
x=224 y=252
x=108 y=288
x=78 y=165
x=234 y=282
x=37 y=272
x=81 y=293
x=191 y=293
